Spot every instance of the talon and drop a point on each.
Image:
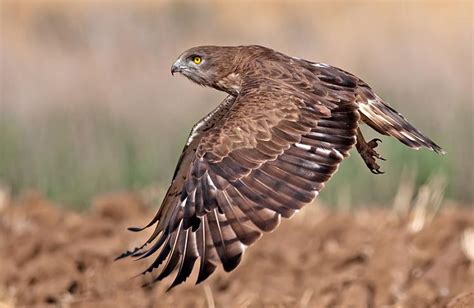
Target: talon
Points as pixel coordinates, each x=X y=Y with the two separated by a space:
x=377 y=171
x=368 y=153
x=378 y=155
x=373 y=143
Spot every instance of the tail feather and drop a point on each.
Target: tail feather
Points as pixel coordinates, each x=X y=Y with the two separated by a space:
x=387 y=121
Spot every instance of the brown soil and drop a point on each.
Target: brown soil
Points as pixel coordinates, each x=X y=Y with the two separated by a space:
x=321 y=258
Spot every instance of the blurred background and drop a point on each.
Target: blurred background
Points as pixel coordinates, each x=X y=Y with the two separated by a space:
x=92 y=124
x=88 y=104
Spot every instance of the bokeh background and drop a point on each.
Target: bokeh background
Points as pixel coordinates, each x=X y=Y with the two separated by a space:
x=92 y=124
x=88 y=104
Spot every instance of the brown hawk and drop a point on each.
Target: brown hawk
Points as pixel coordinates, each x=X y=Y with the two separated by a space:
x=262 y=154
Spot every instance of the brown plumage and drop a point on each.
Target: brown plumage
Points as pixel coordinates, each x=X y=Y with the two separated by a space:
x=262 y=154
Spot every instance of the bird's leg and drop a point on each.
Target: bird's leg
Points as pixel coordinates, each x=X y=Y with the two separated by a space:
x=367 y=152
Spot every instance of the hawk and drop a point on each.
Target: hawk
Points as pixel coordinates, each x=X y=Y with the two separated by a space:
x=262 y=154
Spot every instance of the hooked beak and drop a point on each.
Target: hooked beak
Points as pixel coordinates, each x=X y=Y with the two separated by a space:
x=176 y=67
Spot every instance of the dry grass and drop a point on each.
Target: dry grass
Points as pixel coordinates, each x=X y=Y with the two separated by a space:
x=428 y=202
x=467 y=243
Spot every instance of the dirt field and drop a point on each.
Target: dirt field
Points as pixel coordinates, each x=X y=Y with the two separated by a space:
x=364 y=258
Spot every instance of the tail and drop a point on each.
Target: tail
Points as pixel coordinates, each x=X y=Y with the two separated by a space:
x=387 y=121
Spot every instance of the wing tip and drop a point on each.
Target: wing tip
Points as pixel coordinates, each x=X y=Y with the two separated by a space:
x=432 y=147
x=123 y=255
x=436 y=148
x=203 y=275
x=136 y=229
x=232 y=262
x=440 y=150
x=129 y=253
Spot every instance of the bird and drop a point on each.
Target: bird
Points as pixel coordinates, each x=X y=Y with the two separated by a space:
x=261 y=155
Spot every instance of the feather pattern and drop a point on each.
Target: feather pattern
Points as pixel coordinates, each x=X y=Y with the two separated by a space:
x=262 y=154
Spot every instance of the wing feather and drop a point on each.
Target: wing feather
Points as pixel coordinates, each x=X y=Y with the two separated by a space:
x=265 y=159
x=188 y=257
x=207 y=251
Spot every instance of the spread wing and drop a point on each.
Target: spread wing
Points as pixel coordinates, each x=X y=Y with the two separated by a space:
x=265 y=159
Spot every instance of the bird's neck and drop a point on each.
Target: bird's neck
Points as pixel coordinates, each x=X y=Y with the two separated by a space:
x=231 y=84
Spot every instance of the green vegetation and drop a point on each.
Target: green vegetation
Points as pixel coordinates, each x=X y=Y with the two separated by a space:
x=70 y=164
x=72 y=157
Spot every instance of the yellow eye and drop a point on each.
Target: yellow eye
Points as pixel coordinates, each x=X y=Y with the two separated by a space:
x=197 y=59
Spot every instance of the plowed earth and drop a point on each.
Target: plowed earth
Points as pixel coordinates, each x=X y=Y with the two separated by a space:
x=321 y=258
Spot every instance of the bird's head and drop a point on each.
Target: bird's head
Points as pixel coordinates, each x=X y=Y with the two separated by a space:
x=214 y=66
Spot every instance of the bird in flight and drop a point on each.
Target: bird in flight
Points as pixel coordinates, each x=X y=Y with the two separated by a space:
x=262 y=154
